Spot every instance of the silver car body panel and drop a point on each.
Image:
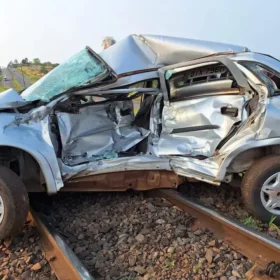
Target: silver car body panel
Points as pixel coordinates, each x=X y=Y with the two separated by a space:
x=194 y=114
x=262 y=128
x=33 y=137
x=144 y=52
x=254 y=133
x=204 y=170
x=11 y=99
x=141 y=162
x=31 y=132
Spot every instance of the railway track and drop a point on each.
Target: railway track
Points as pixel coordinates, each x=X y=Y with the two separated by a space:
x=256 y=246
x=62 y=259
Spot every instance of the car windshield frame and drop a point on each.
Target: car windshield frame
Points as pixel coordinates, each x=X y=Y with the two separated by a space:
x=82 y=69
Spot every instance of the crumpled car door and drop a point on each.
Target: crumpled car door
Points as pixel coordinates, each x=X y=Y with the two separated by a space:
x=202 y=108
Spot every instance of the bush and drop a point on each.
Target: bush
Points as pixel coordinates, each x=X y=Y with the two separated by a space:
x=43 y=69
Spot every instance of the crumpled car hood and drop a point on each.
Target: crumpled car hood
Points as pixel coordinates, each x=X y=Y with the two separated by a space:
x=11 y=99
x=139 y=52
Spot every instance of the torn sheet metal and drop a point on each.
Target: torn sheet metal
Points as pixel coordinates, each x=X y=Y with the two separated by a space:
x=38 y=113
x=260 y=125
x=11 y=99
x=97 y=130
x=270 y=127
x=33 y=138
x=155 y=116
x=155 y=125
x=265 y=117
x=153 y=51
x=204 y=170
x=196 y=127
x=141 y=162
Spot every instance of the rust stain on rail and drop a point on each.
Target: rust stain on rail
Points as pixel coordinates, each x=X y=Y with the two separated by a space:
x=254 y=245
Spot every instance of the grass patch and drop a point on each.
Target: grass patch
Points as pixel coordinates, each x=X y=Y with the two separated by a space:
x=169 y=260
x=16 y=85
x=34 y=72
x=31 y=74
x=196 y=268
x=271 y=223
x=250 y=222
x=2 y=88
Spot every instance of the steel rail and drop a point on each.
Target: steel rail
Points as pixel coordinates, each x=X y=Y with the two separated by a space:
x=256 y=246
x=61 y=258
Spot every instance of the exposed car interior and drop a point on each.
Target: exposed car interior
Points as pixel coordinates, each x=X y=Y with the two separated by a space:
x=90 y=128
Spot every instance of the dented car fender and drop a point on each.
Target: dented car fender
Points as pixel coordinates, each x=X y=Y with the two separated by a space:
x=31 y=135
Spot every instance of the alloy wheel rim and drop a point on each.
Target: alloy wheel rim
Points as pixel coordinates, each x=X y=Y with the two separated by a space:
x=270 y=194
x=2 y=209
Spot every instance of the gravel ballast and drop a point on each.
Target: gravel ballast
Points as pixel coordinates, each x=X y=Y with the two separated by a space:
x=127 y=236
x=227 y=200
x=22 y=257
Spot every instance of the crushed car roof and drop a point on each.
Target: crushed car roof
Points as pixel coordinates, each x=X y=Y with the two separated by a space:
x=139 y=52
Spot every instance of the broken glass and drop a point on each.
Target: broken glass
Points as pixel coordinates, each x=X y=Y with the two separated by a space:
x=81 y=69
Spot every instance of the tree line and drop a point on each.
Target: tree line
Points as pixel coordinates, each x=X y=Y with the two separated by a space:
x=27 y=62
x=35 y=62
x=106 y=43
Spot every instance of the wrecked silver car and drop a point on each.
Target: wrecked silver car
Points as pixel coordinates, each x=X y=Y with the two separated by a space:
x=148 y=112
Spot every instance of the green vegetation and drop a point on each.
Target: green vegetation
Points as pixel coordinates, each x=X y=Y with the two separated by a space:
x=271 y=223
x=197 y=267
x=16 y=85
x=169 y=261
x=32 y=70
x=36 y=61
x=250 y=222
x=2 y=88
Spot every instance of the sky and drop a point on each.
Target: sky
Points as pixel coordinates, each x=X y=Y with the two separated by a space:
x=53 y=30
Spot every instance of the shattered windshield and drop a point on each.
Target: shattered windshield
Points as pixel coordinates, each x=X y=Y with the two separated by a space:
x=81 y=69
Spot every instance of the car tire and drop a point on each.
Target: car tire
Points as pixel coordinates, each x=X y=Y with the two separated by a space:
x=254 y=188
x=14 y=201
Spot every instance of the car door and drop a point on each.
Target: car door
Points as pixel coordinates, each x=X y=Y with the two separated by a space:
x=203 y=105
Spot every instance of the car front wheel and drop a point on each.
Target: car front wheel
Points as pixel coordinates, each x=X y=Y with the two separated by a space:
x=261 y=189
x=14 y=204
